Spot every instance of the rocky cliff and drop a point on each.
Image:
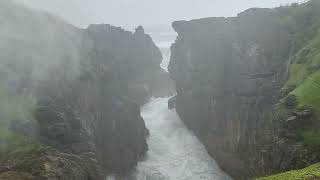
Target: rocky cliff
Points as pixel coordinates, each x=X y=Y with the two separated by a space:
x=70 y=97
x=137 y=59
x=239 y=90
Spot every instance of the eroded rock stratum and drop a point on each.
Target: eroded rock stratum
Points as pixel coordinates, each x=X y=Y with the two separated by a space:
x=247 y=86
x=70 y=97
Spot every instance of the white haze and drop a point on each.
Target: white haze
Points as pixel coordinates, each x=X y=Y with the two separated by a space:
x=174 y=151
x=149 y=13
x=42 y=42
x=35 y=43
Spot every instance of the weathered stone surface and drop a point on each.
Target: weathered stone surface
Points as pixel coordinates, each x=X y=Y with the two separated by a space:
x=95 y=113
x=229 y=75
x=88 y=85
x=12 y=175
x=136 y=58
x=48 y=164
x=172 y=102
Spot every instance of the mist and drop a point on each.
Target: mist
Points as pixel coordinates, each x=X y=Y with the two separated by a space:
x=159 y=90
x=149 y=13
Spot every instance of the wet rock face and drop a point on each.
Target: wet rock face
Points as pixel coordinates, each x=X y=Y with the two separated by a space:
x=228 y=72
x=88 y=85
x=110 y=130
x=136 y=58
x=47 y=164
x=96 y=112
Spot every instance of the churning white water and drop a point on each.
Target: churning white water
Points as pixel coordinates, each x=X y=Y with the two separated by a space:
x=174 y=152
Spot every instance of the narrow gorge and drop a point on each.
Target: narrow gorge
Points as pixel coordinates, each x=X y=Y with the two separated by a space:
x=220 y=99
x=70 y=104
x=174 y=151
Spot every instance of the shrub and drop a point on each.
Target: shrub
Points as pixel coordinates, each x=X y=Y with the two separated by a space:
x=291 y=101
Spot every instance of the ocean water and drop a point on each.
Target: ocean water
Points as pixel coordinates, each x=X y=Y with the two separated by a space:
x=174 y=153
x=164 y=40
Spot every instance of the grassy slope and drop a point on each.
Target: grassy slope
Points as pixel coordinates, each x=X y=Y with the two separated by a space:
x=309 y=173
x=304 y=76
x=18 y=108
x=16 y=144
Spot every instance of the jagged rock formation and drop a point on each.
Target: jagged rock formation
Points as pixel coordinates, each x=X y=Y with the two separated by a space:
x=232 y=77
x=136 y=57
x=86 y=84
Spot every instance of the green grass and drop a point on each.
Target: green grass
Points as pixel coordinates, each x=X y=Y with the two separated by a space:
x=4 y=133
x=305 y=62
x=305 y=77
x=17 y=146
x=308 y=93
x=18 y=108
x=309 y=173
x=15 y=107
x=281 y=112
x=311 y=138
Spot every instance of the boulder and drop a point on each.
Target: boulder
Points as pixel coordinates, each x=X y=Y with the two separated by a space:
x=172 y=102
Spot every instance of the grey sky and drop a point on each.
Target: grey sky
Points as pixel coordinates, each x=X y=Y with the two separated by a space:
x=131 y=13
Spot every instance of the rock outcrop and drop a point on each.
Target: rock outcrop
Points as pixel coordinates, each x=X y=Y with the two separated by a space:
x=136 y=57
x=231 y=74
x=86 y=84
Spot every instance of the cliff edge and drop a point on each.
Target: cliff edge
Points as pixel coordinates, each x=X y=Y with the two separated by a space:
x=70 y=97
x=247 y=87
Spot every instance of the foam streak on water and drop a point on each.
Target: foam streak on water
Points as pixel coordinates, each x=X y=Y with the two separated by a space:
x=174 y=152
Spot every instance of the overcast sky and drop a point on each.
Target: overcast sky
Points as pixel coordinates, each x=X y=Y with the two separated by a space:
x=131 y=13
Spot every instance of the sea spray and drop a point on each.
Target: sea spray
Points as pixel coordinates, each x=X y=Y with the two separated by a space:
x=174 y=152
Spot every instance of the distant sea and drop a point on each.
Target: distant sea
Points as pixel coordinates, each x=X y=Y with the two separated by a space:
x=164 y=40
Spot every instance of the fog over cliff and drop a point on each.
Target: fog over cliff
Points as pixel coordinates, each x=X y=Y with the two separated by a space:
x=154 y=13
x=159 y=89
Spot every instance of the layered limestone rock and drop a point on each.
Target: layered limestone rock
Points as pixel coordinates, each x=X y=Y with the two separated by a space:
x=137 y=59
x=86 y=84
x=230 y=74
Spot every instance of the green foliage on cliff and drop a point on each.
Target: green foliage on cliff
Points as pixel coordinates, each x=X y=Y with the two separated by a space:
x=311 y=172
x=308 y=93
x=305 y=76
x=311 y=138
x=291 y=101
x=14 y=146
x=303 y=21
x=23 y=155
x=305 y=62
x=15 y=107
x=4 y=133
x=303 y=24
